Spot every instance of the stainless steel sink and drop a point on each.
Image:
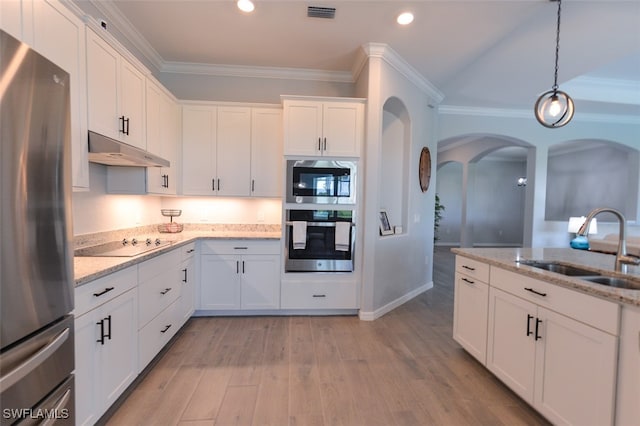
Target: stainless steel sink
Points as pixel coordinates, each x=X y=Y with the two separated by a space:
x=614 y=282
x=558 y=268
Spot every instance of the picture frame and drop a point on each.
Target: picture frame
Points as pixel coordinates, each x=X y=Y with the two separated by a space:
x=385 y=226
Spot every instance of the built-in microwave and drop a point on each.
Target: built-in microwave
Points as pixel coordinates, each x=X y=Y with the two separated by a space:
x=321 y=181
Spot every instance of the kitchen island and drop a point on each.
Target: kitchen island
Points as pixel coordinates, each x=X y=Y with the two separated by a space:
x=567 y=346
x=509 y=258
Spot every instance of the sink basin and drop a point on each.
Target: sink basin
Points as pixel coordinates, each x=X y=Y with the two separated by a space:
x=614 y=282
x=558 y=268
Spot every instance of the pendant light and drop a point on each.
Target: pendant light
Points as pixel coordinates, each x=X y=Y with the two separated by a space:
x=554 y=108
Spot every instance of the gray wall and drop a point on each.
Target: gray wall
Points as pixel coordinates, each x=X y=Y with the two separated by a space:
x=496 y=202
x=580 y=181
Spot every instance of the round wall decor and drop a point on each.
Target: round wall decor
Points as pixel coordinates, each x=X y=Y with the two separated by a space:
x=424 y=169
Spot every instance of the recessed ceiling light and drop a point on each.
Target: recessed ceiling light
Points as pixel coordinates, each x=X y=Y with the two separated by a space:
x=245 y=5
x=405 y=18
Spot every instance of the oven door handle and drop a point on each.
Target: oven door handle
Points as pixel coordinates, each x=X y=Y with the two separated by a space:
x=321 y=224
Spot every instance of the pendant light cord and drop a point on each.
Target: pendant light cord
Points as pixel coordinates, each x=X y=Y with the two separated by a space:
x=555 y=77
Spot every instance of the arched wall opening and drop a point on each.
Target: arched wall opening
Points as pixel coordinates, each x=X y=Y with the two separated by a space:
x=482 y=182
x=394 y=164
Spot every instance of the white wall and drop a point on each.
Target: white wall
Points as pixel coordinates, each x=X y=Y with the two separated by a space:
x=98 y=211
x=398 y=265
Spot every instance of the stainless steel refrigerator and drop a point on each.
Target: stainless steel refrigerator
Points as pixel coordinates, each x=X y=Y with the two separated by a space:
x=36 y=293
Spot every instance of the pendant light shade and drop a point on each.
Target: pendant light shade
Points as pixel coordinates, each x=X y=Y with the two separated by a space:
x=554 y=108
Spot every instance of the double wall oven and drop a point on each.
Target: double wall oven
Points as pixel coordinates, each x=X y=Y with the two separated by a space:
x=320 y=219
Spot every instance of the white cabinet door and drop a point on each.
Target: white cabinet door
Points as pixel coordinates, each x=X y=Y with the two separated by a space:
x=470 y=315
x=119 y=355
x=103 y=63
x=60 y=36
x=511 y=343
x=233 y=138
x=11 y=17
x=162 y=138
x=574 y=359
x=327 y=128
x=198 y=150
x=302 y=128
x=220 y=282
x=266 y=152
x=132 y=105
x=106 y=355
x=87 y=372
x=628 y=395
x=342 y=129
x=187 y=290
x=116 y=94
x=260 y=287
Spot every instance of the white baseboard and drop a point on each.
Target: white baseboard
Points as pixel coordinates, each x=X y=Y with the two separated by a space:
x=370 y=316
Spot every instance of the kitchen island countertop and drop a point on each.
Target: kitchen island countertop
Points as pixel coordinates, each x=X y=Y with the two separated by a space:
x=506 y=258
x=87 y=269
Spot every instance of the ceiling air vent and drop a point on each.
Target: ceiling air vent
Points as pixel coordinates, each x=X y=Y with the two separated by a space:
x=321 y=12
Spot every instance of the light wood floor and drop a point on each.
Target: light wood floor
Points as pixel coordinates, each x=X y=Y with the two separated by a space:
x=402 y=369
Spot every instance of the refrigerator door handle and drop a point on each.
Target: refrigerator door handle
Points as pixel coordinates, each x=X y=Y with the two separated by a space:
x=33 y=362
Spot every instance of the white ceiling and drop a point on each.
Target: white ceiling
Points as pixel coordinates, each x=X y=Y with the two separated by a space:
x=497 y=53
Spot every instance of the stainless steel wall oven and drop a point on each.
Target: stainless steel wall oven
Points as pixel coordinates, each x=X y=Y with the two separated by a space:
x=319 y=241
x=321 y=181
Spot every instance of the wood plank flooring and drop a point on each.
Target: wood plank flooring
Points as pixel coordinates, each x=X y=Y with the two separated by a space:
x=402 y=369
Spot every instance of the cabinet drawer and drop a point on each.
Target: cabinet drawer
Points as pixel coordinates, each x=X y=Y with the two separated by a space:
x=157 y=293
x=240 y=247
x=104 y=289
x=187 y=251
x=472 y=268
x=158 y=265
x=318 y=295
x=156 y=334
x=590 y=310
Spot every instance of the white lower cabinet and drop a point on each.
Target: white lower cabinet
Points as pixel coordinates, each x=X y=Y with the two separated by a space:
x=319 y=294
x=159 y=291
x=554 y=347
x=106 y=343
x=188 y=279
x=628 y=397
x=470 y=310
x=238 y=274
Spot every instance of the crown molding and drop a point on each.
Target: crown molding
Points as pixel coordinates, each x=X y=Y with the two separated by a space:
x=256 y=72
x=386 y=53
x=114 y=17
x=521 y=113
x=604 y=90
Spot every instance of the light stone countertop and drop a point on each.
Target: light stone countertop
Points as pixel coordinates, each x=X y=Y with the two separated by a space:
x=506 y=258
x=87 y=269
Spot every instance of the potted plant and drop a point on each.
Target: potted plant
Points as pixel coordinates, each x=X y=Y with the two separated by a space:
x=439 y=208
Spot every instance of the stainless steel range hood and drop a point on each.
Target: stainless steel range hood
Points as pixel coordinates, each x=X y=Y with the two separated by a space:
x=104 y=150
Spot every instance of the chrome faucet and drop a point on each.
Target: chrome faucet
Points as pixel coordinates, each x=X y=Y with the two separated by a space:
x=622 y=258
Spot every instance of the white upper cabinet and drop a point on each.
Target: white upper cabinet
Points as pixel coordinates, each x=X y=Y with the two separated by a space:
x=233 y=151
x=11 y=18
x=60 y=36
x=162 y=139
x=116 y=93
x=199 y=150
x=233 y=136
x=266 y=152
x=323 y=127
